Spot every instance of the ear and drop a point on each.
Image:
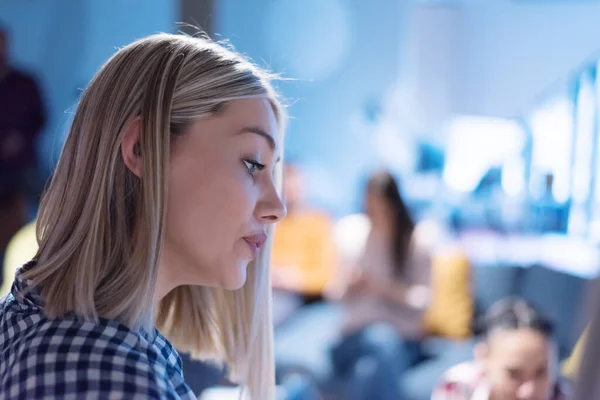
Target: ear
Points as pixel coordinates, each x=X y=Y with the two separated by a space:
x=481 y=351
x=130 y=147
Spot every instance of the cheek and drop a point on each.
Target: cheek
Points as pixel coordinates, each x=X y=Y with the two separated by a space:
x=544 y=385
x=379 y=209
x=500 y=379
x=207 y=211
x=497 y=377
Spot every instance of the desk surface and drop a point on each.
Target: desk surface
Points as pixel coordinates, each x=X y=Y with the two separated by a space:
x=562 y=253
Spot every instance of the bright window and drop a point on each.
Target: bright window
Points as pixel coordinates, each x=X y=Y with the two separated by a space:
x=476 y=144
x=552 y=130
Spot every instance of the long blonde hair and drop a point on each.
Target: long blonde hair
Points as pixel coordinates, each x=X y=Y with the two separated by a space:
x=100 y=228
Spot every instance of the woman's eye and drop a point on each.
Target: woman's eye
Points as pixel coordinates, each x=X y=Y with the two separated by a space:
x=253 y=166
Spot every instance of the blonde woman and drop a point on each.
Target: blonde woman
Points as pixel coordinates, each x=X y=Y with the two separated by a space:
x=156 y=220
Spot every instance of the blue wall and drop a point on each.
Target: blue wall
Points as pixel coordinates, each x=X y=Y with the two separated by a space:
x=345 y=57
x=515 y=52
x=64 y=42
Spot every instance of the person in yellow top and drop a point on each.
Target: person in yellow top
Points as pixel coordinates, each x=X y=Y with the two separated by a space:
x=20 y=250
x=451 y=307
x=304 y=256
x=570 y=367
x=450 y=313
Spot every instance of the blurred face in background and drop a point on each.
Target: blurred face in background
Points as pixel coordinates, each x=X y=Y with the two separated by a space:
x=378 y=208
x=520 y=365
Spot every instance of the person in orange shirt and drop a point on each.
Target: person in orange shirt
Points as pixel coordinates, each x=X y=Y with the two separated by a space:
x=304 y=257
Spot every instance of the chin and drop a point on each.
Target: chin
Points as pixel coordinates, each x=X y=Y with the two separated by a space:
x=236 y=276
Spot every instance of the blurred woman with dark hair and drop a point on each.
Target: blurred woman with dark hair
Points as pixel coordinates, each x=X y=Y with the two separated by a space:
x=385 y=299
x=373 y=325
x=390 y=282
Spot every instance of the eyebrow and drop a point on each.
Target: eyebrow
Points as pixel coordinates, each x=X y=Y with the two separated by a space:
x=260 y=132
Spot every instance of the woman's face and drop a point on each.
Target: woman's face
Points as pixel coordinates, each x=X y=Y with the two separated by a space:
x=378 y=209
x=221 y=196
x=520 y=365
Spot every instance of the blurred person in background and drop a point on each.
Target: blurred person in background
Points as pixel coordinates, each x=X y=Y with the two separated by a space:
x=172 y=134
x=22 y=117
x=451 y=308
x=385 y=298
x=21 y=249
x=383 y=303
x=390 y=282
x=360 y=342
x=517 y=360
x=571 y=366
x=304 y=255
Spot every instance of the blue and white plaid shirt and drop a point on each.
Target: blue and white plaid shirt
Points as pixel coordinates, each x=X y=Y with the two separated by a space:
x=68 y=358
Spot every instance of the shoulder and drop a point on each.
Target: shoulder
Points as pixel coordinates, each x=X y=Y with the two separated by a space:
x=459 y=381
x=563 y=389
x=69 y=357
x=21 y=75
x=23 y=79
x=466 y=372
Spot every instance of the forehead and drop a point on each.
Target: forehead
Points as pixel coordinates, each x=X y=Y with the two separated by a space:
x=237 y=123
x=520 y=346
x=251 y=113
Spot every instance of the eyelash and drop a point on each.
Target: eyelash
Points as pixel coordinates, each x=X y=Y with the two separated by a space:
x=253 y=166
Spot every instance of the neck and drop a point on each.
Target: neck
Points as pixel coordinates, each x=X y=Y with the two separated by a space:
x=164 y=284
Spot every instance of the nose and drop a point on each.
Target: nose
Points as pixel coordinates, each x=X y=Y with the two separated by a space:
x=526 y=391
x=270 y=208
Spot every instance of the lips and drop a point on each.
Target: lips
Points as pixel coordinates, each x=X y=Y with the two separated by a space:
x=255 y=242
